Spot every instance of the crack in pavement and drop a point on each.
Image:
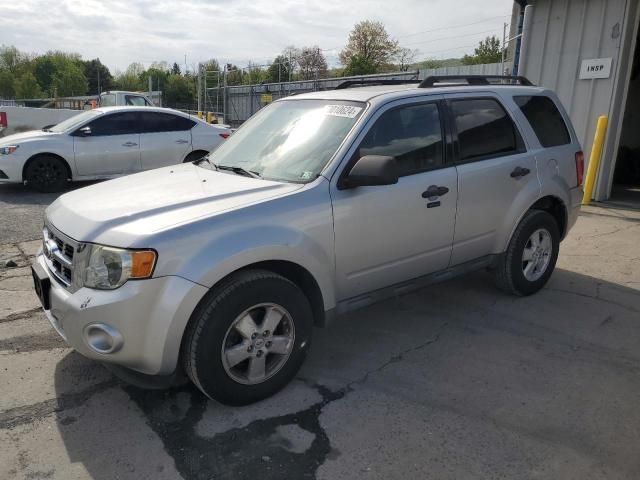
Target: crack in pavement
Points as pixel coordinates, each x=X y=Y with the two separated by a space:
x=29 y=413
x=20 y=315
x=397 y=358
x=254 y=450
x=594 y=297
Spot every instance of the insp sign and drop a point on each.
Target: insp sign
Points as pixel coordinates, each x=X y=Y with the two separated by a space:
x=595 y=68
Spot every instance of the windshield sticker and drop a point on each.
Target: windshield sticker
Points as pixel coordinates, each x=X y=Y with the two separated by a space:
x=347 y=111
x=306 y=175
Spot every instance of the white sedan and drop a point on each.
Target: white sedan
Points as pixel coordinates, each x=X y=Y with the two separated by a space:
x=105 y=143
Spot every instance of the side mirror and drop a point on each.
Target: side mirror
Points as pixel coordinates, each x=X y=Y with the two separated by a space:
x=84 y=132
x=371 y=170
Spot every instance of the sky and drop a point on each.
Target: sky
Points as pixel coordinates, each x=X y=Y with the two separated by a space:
x=120 y=32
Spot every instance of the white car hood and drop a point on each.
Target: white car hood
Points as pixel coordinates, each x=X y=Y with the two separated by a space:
x=120 y=212
x=32 y=135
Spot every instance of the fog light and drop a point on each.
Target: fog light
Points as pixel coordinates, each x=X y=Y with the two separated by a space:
x=103 y=338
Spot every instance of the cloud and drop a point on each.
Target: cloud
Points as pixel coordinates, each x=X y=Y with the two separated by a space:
x=123 y=31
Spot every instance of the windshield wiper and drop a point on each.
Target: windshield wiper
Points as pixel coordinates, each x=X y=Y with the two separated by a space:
x=238 y=170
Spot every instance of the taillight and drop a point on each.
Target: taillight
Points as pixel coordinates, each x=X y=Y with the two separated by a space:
x=579 y=167
x=3 y=120
x=224 y=135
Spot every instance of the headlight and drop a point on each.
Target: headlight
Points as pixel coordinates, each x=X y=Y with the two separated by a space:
x=8 y=150
x=109 y=268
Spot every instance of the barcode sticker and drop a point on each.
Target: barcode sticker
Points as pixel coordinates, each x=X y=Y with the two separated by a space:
x=348 y=111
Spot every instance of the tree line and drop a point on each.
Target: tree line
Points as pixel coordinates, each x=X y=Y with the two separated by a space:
x=369 y=50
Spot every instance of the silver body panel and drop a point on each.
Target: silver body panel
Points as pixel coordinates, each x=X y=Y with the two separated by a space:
x=204 y=225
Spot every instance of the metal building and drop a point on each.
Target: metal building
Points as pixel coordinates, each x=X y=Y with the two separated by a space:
x=586 y=50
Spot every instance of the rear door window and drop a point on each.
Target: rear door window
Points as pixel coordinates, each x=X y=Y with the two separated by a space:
x=484 y=128
x=411 y=134
x=545 y=119
x=165 y=122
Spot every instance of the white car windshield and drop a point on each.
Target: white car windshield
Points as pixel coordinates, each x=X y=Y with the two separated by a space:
x=71 y=123
x=290 y=141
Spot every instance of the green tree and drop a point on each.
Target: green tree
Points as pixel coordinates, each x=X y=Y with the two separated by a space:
x=369 y=47
x=487 y=51
x=7 y=88
x=234 y=75
x=11 y=58
x=175 y=69
x=279 y=70
x=98 y=76
x=359 y=65
x=158 y=77
x=178 y=90
x=69 y=82
x=26 y=86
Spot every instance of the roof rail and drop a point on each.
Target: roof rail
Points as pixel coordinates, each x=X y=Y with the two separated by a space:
x=432 y=81
x=367 y=82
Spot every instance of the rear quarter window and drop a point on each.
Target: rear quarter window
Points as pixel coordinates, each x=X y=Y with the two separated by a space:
x=545 y=119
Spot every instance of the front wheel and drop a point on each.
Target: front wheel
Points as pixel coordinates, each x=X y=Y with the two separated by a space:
x=531 y=256
x=46 y=174
x=248 y=338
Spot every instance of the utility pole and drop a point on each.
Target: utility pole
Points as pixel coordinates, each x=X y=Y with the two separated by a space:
x=504 y=39
x=185 y=63
x=99 y=91
x=199 y=87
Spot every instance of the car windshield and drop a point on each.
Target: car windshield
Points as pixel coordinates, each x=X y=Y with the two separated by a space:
x=73 y=122
x=290 y=141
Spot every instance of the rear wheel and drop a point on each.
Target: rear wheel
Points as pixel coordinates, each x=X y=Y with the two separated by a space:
x=46 y=174
x=248 y=338
x=531 y=256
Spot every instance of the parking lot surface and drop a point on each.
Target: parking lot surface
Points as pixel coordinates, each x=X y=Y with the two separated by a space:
x=455 y=381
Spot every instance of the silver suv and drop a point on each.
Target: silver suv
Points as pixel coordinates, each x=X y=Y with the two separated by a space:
x=319 y=204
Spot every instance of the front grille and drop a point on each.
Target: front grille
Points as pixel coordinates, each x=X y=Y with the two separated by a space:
x=59 y=250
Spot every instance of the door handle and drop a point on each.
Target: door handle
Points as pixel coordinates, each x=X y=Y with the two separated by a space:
x=182 y=141
x=130 y=144
x=520 y=172
x=435 y=191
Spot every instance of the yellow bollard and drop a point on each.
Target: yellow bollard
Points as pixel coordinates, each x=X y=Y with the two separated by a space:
x=594 y=158
x=209 y=117
x=200 y=115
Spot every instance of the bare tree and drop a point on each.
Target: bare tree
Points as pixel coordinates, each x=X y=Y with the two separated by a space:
x=405 y=58
x=312 y=63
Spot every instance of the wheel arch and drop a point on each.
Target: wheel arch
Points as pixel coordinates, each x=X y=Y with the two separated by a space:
x=46 y=154
x=551 y=204
x=193 y=152
x=295 y=273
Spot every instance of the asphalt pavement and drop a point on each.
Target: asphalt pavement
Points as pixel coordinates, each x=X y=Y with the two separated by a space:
x=455 y=381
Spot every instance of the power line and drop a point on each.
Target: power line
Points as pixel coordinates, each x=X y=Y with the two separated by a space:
x=453 y=26
x=450 y=38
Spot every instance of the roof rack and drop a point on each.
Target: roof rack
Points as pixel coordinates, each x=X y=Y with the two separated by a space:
x=432 y=81
x=364 y=83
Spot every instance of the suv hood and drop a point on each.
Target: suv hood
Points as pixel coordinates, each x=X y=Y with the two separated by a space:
x=119 y=212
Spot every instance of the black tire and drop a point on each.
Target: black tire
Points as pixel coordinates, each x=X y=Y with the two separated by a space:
x=510 y=276
x=193 y=156
x=202 y=347
x=46 y=174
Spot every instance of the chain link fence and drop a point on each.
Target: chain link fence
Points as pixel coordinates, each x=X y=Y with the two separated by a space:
x=235 y=104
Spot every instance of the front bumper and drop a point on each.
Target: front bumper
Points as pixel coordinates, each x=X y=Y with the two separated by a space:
x=11 y=169
x=150 y=315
